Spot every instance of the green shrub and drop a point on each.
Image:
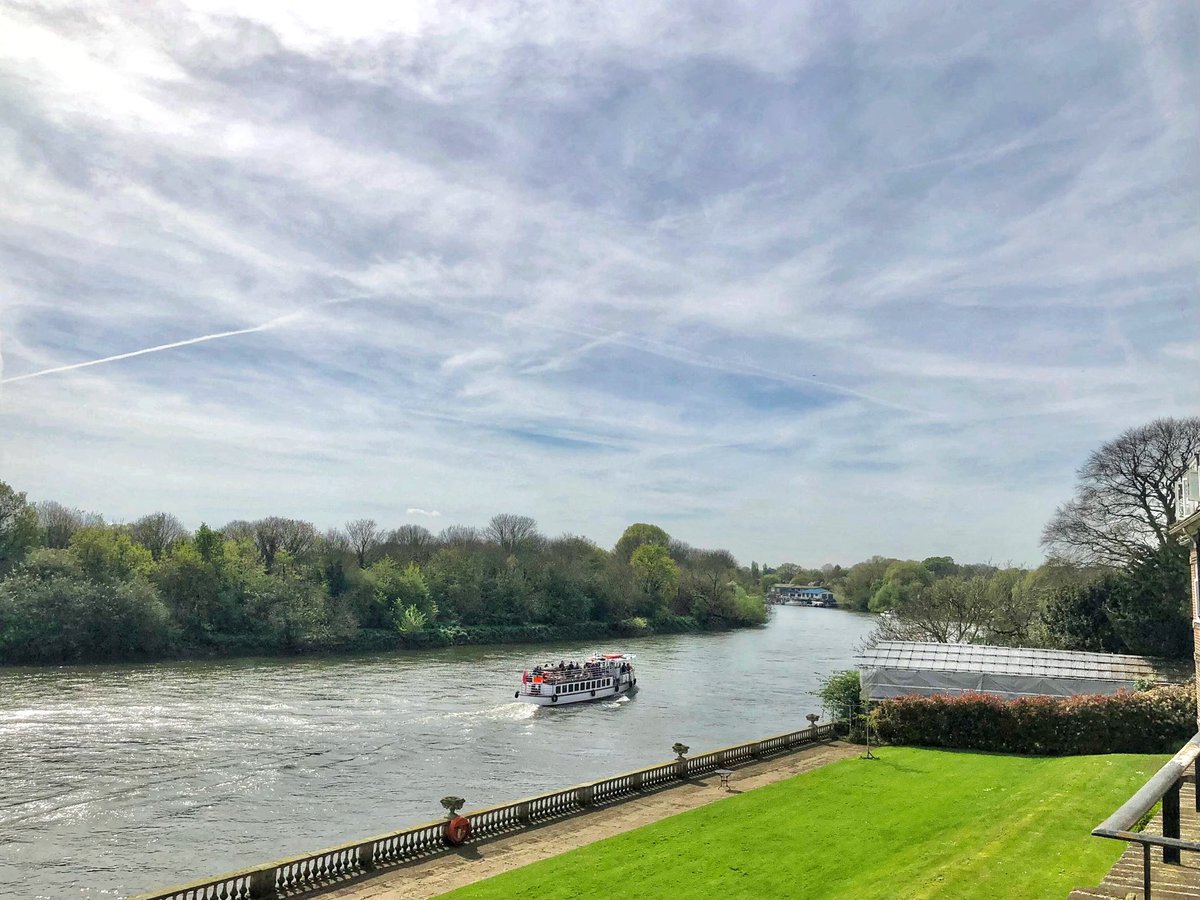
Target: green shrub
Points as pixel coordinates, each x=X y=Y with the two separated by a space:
x=1154 y=721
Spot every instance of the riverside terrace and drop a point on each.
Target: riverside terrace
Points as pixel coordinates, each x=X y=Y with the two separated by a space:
x=308 y=873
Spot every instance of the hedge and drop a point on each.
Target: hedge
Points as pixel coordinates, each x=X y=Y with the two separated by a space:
x=1153 y=721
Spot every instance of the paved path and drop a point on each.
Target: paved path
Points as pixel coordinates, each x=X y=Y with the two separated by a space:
x=1167 y=882
x=436 y=875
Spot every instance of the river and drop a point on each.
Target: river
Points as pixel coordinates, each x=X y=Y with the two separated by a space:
x=117 y=780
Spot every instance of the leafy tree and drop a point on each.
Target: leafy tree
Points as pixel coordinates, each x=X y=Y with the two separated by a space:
x=209 y=544
x=456 y=579
x=1150 y=606
x=191 y=586
x=18 y=528
x=638 y=535
x=1077 y=616
x=1125 y=497
x=105 y=553
x=841 y=695
x=656 y=573
x=62 y=618
x=859 y=583
x=940 y=566
x=904 y=582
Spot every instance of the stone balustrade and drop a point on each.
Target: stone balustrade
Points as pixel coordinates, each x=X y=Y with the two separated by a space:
x=296 y=875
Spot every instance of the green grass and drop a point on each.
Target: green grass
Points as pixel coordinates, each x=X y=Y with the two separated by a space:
x=912 y=824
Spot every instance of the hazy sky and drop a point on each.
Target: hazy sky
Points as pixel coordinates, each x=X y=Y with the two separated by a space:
x=809 y=281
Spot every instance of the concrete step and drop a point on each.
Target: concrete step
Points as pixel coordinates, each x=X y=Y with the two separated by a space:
x=1105 y=893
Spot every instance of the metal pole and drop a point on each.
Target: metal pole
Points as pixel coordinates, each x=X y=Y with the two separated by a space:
x=1146 y=871
x=1170 y=818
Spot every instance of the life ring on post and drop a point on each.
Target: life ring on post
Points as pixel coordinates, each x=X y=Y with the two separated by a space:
x=458 y=830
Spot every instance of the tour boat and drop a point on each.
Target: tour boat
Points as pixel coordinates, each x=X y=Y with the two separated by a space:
x=602 y=676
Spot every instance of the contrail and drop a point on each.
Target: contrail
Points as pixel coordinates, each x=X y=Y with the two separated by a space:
x=273 y=323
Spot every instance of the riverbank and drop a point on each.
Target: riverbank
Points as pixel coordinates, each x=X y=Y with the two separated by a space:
x=215 y=647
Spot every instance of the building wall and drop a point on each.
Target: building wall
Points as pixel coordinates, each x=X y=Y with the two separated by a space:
x=1195 y=582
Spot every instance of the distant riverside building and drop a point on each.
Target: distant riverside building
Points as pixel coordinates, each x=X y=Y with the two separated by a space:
x=1187 y=525
x=794 y=593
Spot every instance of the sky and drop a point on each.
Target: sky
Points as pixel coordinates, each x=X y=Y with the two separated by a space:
x=808 y=281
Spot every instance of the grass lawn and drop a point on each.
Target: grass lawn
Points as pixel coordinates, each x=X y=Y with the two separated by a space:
x=914 y=823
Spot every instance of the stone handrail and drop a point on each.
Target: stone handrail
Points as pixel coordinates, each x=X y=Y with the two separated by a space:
x=295 y=875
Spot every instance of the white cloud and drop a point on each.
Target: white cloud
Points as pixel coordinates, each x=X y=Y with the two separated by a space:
x=809 y=285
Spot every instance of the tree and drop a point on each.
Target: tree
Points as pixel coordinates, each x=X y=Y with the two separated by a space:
x=1077 y=615
x=637 y=535
x=1150 y=606
x=1125 y=497
x=656 y=573
x=59 y=522
x=364 y=535
x=903 y=582
x=512 y=533
x=410 y=543
x=275 y=533
x=107 y=554
x=18 y=528
x=158 y=532
x=860 y=582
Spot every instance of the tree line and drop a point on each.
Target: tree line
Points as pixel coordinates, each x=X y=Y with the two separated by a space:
x=1115 y=578
x=77 y=589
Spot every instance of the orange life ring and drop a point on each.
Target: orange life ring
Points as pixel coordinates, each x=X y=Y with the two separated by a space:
x=458 y=830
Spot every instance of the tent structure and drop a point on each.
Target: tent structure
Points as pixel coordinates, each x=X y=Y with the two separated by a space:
x=896 y=668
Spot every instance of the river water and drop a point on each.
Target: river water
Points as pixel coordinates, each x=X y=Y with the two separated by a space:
x=117 y=780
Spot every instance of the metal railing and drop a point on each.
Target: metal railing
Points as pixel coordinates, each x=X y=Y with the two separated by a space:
x=296 y=875
x=1163 y=785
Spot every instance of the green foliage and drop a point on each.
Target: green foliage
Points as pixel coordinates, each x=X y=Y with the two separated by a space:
x=18 y=528
x=640 y=535
x=841 y=695
x=409 y=620
x=748 y=609
x=1154 y=721
x=904 y=582
x=106 y=553
x=656 y=573
x=54 y=617
x=913 y=823
x=276 y=585
x=1150 y=607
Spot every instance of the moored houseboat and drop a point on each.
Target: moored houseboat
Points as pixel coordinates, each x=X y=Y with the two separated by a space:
x=602 y=676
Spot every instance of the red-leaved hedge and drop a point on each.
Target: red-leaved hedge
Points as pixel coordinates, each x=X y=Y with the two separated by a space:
x=1153 y=721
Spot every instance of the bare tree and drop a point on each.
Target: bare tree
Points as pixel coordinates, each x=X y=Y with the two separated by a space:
x=1125 y=499
x=238 y=530
x=336 y=541
x=410 y=543
x=275 y=533
x=512 y=532
x=364 y=535
x=157 y=532
x=462 y=537
x=59 y=522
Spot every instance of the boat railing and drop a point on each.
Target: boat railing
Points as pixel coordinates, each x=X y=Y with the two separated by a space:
x=298 y=875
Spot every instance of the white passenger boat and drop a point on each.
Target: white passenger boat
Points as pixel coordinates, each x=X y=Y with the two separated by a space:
x=602 y=676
